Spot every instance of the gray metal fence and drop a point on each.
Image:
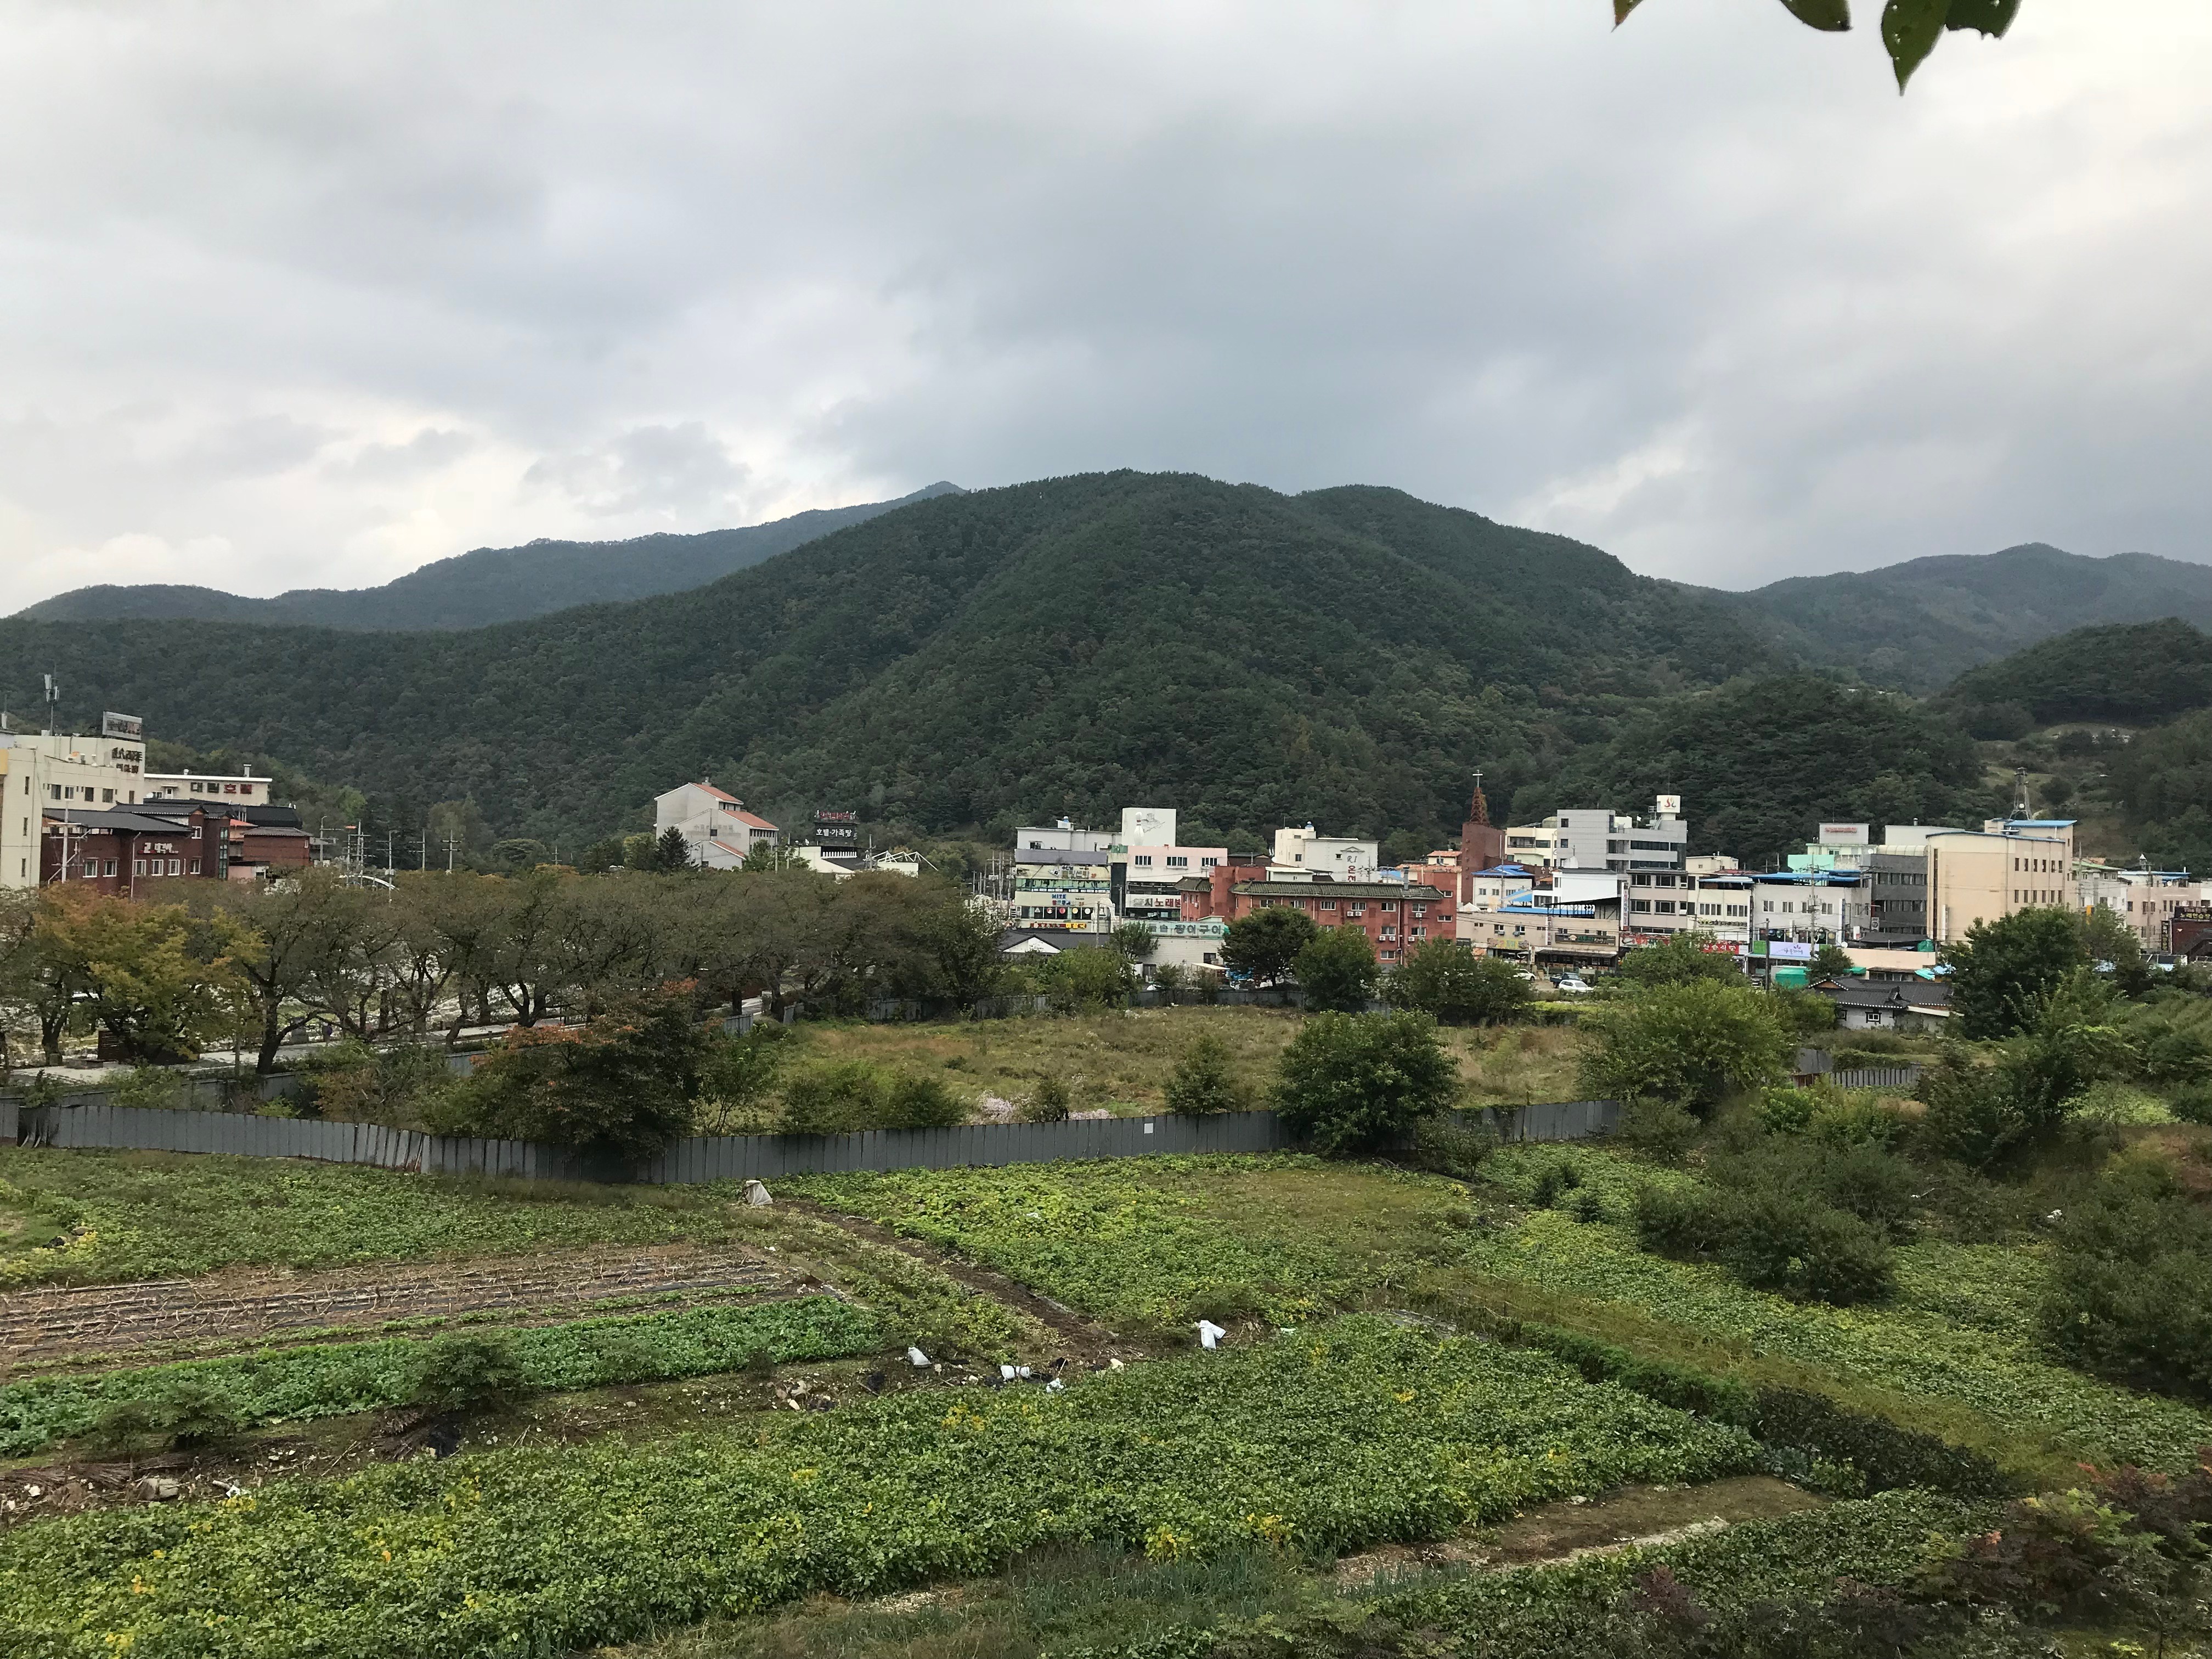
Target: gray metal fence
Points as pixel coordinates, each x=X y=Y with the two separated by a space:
x=1877 y=1077
x=722 y=1158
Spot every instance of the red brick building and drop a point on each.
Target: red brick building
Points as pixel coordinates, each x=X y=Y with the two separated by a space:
x=1395 y=916
x=119 y=852
x=1481 y=843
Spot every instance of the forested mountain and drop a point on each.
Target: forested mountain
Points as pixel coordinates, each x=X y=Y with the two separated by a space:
x=490 y=585
x=1761 y=761
x=1067 y=645
x=2136 y=676
x=1918 y=625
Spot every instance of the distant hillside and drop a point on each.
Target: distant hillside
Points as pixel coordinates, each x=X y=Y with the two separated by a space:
x=1067 y=645
x=490 y=585
x=1920 y=624
x=2136 y=675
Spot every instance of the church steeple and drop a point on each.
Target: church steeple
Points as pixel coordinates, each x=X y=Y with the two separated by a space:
x=1481 y=843
x=1478 y=810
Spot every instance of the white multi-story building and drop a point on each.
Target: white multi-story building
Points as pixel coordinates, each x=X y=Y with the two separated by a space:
x=1303 y=851
x=1590 y=838
x=58 y=772
x=714 y=824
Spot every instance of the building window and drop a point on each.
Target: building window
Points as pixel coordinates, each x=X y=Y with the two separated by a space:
x=1329 y=905
x=56 y=791
x=1641 y=906
x=1389 y=907
x=1420 y=909
x=106 y=795
x=195 y=870
x=1419 y=933
x=173 y=869
x=1207 y=864
x=1143 y=858
x=138 y=868
x=111 y=867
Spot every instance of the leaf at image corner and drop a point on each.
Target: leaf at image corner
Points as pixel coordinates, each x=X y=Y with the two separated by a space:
x=1990 y=16
x=1834 y=16
x=1621 y=9
x=1910 y=29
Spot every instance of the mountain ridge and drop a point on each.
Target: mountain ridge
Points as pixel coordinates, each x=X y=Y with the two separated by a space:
x=486 y=585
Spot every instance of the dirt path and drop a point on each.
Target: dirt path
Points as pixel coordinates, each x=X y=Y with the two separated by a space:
x=1633 y=1517
x=47 y=1325
x=1086 y=1338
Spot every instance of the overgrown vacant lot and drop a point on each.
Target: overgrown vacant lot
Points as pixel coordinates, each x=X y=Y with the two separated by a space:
x=1121 y=1062
x=1159 y=1243
x=1341 y=1435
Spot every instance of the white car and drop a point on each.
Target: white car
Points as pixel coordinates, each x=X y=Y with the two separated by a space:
x=1574 y=984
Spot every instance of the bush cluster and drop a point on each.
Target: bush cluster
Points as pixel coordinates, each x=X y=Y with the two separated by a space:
x=842 y=1096
x=2129 y=1291
x=1804 y=1216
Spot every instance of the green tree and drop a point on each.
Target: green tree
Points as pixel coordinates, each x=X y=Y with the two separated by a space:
x=1135 y=941
x=1831 y=962
x=672 y=854
x=1335 y=970
x=1693 y=1043
x=2107 y=940
x=1351 y=1083
x=1205 y=1080
x=2004 y=971
x=159 y=985
x=620 y=1085
x=1265 y=944
x=1085 y=976
x=962 y=941
x=1454 y=987
x=1677 y=961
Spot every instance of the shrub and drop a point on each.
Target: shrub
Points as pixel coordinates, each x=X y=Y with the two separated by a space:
x=830 y=1099
x=1454 y=987
x=1452 y=1144
x=468 y=1374
x=2129 y=1295
x=1693 y=1043
x=1554 y=1181
x=738 y=1074
x=2005 y=970
x=917 y=1100
x=2193 y=1104
x=1086 y=977
x=1678 y=960
x=1773 y=1237
x=1049 y=1104
x=1204 y=1080
x=1354 y=1082
x=1657 y=1129
x=620 y=1085
x=399 y=1085
x=156 y=1086
x=1785 y=1108
x=183 y=1411
x=1335 y=970
x=1266 y=943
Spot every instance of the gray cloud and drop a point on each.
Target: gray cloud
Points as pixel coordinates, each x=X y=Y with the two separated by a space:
x=343 y=288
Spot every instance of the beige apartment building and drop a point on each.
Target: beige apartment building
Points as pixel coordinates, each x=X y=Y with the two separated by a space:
x=2144 y=900
x=236 y=789
x=52 y=774
x=2008 y=865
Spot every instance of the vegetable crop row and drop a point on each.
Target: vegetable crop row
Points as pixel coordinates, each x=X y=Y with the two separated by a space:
x=287 y=1384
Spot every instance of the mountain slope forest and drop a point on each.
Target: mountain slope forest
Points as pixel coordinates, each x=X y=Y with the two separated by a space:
x=1918 y=625
x=1067 y=645
x=490 y=585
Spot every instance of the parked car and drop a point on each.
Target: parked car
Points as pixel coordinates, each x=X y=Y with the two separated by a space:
x=1574 y=984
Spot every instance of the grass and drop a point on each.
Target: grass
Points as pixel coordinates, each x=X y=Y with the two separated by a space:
x=1120 y=1062
x=1350 y=1433
x=329 y=1380
x=1159 y=1243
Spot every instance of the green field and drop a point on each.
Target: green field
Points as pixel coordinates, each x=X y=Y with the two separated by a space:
x=1344 y=1434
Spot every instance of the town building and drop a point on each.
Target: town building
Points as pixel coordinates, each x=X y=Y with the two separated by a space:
x=1901 y=1005
x=1545 y=927
x=1148 y=885
x=2144 y=901
x=2008 y=865
x=236 y=789
x=1809 y=908
x=78 y=774
x=1595 y=839
x=120 y=850
x=1395 y=916
x=1303 y=851
x=1064 y=889
x=714 y=823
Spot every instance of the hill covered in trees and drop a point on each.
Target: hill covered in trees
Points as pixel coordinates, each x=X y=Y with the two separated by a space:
x=2137 y=676
x=1067 y=645
x=490 y=585
x=1920 y=624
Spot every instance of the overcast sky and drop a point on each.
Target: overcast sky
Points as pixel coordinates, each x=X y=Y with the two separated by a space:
x=309 y=294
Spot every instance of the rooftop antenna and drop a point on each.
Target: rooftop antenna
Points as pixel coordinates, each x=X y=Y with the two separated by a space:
x=53 y=705
x=2021 y=808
